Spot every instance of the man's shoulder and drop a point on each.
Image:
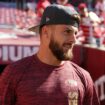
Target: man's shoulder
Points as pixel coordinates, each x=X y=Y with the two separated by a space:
x=94 y=17
x=80 y=71
x=83 y=74
x=19 y=66
x=15 y=71
x=22 y=63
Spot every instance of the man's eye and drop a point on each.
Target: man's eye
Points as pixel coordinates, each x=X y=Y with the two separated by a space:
x=68 y=31
x=75 y=33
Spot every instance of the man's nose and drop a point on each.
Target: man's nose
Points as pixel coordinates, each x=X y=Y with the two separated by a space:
x=73 y=38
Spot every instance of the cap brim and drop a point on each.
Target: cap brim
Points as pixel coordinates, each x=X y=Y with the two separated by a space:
x=34 y=28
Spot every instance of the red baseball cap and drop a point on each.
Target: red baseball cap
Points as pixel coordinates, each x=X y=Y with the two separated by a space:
x=82 y=6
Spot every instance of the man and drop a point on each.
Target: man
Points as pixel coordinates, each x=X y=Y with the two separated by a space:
x=90 y=25
x=90 y=15
x=40 y=7
x=49 y=77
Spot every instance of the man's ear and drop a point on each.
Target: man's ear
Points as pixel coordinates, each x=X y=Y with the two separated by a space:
x=46 y=31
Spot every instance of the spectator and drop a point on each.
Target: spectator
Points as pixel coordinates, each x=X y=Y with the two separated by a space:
x=77 y=2
x=90 y=23
x=31 y=5
x=100 y=10
x=89 y=15
x=100 y=6
x=42 y=4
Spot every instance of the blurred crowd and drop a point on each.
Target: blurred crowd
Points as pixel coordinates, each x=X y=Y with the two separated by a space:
x=92 y=27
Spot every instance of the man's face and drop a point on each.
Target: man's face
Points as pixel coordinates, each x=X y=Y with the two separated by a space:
x=84 y=12
x=62 y=41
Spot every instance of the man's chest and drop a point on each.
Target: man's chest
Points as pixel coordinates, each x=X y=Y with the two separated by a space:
x=50 y=89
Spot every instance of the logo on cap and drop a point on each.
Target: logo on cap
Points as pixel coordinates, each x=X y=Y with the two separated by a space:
x=47 y=19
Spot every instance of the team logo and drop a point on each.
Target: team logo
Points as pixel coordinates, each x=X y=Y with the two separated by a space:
x=73 y=98
x=71 y=83
x=47 y=19
x=73 y=94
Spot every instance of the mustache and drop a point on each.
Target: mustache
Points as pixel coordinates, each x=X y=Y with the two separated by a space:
x=69 y=44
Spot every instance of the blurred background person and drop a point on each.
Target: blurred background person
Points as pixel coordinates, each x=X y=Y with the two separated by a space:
x=90 y=25
x=100 y=6
x=31 y=4
x=100 y=10
x=76 y=2
x=41 y=5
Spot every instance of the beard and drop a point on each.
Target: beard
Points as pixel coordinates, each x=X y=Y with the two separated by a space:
x=59 y=52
